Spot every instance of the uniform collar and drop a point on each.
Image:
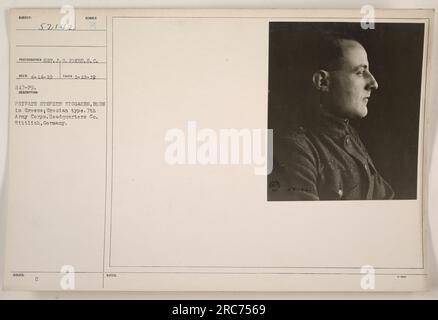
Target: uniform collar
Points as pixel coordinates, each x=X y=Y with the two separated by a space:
x=333 y=125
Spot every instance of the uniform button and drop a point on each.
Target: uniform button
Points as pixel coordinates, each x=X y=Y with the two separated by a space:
x=340 y=193
x=347 y=140
x=366 y=166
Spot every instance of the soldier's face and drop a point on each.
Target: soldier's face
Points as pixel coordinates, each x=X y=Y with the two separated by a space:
x=351 y=84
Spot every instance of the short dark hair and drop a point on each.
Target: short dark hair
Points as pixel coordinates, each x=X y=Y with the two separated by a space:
x=330 y=50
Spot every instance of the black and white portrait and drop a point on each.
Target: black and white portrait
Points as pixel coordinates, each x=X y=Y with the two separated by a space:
x=344 y=106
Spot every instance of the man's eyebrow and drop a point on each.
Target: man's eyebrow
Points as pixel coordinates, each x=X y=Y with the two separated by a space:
x=361 y=66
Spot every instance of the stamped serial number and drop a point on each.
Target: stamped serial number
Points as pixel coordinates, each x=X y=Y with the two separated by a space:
x=233 y=309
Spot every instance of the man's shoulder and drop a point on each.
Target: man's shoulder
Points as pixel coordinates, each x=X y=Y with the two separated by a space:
x=298 y=134
x=296 y=148
x=298 y=137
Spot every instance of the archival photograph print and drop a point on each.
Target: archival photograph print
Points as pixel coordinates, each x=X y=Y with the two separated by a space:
x=344 y=106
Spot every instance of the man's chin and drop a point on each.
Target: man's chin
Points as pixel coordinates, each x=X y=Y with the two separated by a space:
x=361 y=112
x=353 y=113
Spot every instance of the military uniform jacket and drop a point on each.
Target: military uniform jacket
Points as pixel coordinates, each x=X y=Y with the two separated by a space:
x=326 y=161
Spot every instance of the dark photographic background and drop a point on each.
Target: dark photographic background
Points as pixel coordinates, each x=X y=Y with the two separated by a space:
x=390 y=130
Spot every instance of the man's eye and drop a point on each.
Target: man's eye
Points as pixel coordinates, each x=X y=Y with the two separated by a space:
x=361 y=72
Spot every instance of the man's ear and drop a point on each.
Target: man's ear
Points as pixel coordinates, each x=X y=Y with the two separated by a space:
x=321 y=80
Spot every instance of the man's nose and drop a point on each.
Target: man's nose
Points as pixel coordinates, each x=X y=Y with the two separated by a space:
x=372 y=82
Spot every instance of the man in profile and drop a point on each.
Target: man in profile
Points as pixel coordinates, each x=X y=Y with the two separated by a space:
x=325 y=159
